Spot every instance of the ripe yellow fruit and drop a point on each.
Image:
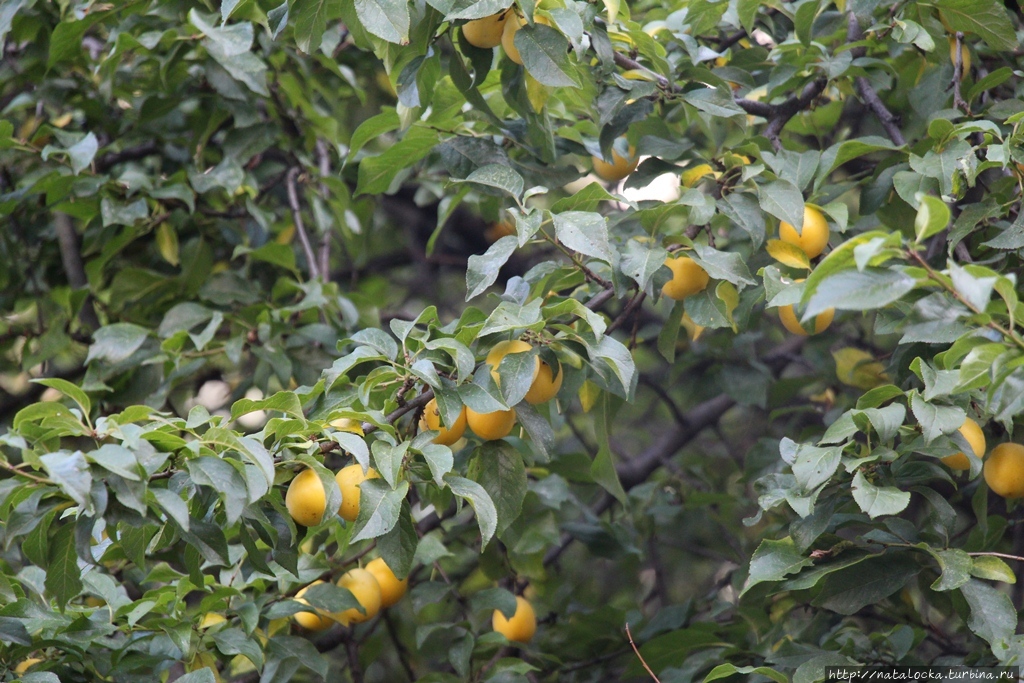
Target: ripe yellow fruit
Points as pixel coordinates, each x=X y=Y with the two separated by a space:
x=813 y=238
x=306 y=499
x=965 y=56
x=545 y=385
x=1004 y=470
x=858 y=368
x=321 y=621
x=976 y=438
x=502 y=349
x=618 y=169
x=521 y=627
x=349 y=478
x=491 y=426
x=687 y=278
x=787 y=314
x=486 y=33
x=431 y=419
x=367 y=593
x=508 y=34
x=26 y=664
x=391 y=589
x=789 y=320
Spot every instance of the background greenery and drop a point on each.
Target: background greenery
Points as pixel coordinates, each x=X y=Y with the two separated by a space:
x=200 y=200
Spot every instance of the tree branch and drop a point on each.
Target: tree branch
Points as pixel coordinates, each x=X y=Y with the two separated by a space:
x=71 y=257
x=788 y=109
x=323 y=157
x=867 y=93
x=111 y=159
x=300 y=227
x=625 y=62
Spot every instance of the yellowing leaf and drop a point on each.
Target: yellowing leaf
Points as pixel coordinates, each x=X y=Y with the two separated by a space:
x=589 y=394
x=858 y=368
x=693 y=330
x=537 y=93
x=286 y=236
x=167 y=243
x=788 y=254
x=690 y=176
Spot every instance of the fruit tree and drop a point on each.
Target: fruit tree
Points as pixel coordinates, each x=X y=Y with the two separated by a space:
x=481 y=340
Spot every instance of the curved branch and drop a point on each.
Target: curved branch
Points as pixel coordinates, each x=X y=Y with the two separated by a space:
x=300 y=227
x=889 y=121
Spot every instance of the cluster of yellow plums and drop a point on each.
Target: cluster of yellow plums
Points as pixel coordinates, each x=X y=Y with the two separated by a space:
x=498 y=424
x=498 y=29
x=376 y=587
x=1003 y=469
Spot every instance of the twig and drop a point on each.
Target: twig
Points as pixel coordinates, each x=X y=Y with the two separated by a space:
x=729 y=41
x=633 y=304
x=599 y=299
x=300 y=227
x=323 y=157
x=640 y=656
x=31 y=477
x=625 y=62
x=958 y=73
x=867 y=93
x=1005 y=556
x=936 y=277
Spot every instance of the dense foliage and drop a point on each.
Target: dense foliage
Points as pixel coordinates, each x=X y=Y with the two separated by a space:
x=235 y=242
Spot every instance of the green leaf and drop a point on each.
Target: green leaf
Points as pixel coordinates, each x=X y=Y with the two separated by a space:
x=71 y=472
x=640 y=261
x=858 y=291
x=584 y=232
x=483 y=269
x=386 y=19
x=486 y=513
x=234 y=641
x=70 y=390
x=398 y=546
x=372 y=128
x=309 y=17
x=935 y=420
x=204 y=675
x=722 y=265
x=993 y=617
x=63 y=577
x=993 y=569
x=955 y=565
x=876 y=501
x=783 y=200
x=987 y=18
x=498 y=467
x=849 y=590
x=379 y=508
x=388 y=459
x=469 y=9
x=932 y=217
x=115 y=343
x=377 y=173
x=726 y=670
x=773 y=561
x=544 y=52
x=490 y=599
x=122 y=213
x=497 y=176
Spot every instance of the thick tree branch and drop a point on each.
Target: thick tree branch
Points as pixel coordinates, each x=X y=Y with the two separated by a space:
x=788 y=109
x=300 y=227
x=958 y=74
x=71 y=257
x=111 y=159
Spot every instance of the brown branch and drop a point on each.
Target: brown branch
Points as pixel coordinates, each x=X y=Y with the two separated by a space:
x=958 y=73
x=729 y=41
x=71 y=257
x=640 y=656
x=889 y=121
x=19 y=473
x=788 y=109
x=634 y=303
x=300 y=227
x=111 y=159
x=323 y=156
